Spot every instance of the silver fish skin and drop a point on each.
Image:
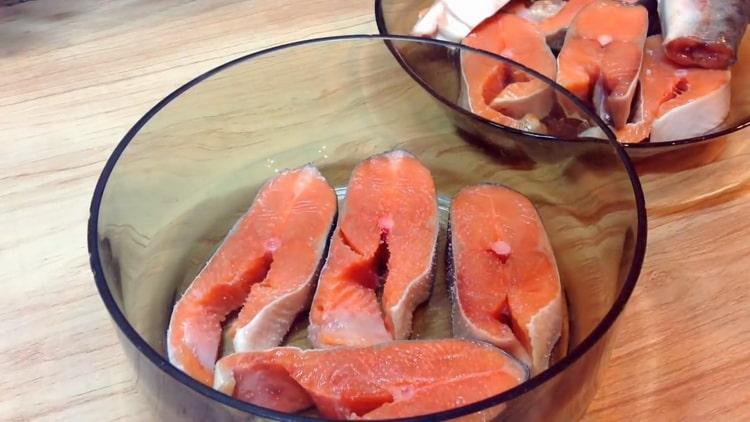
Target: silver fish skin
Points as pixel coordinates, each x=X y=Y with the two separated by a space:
x=703 y=33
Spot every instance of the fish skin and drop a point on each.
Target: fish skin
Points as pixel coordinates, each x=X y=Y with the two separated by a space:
x=538 y=11
x=474 y=12
x=390 y=380
x=346 y=310
x=530 y=337
x=453 y=20
x=263 y=242
x=704 y=33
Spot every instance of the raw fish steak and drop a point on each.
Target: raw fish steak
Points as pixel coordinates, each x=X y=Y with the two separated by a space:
x=385 y=240
x=392 y=380
x=505 y=285
x=268 y=262
x=676 y=102
x=601 y=58
x=703 y=33
x=501 y=92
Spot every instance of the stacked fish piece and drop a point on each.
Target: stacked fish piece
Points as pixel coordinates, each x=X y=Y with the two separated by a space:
x=504 y=284
x=663 y=87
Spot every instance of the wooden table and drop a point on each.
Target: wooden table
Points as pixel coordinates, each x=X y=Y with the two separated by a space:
x=75 y=75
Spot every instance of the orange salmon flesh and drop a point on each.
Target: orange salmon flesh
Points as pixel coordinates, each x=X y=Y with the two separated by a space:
x=601 y=58
x=674 y=99
x=270 y=257
x=387 y=229
x=396 y=379
x=504 y=281
x=505 y=291
x=500 y=92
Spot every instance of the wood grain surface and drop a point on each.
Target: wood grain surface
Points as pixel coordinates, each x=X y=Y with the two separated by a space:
x=76 y=74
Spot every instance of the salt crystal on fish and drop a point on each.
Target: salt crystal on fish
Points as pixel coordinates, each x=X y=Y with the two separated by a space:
x=502 y=249
x=386 y=223
x=604 y=40
x=272 y=244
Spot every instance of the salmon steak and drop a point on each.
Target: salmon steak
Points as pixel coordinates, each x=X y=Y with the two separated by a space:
x=503 y=277
x=601 y=57
x=552 y=17
x=501 y=92
x=268 y=262
x=676 y=102
x=380 y=263
x=392 y=380
x=704 y=33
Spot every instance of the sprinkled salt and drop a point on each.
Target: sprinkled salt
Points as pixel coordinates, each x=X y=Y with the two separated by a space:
x=272 y=244
x=385 y=223
x=502 y=250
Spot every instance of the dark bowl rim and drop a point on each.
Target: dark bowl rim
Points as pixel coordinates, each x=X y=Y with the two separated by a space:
x=383 y=30
x=164 y=365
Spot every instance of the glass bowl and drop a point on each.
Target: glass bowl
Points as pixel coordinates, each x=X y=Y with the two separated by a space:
x=676 y=175
x=191 y=166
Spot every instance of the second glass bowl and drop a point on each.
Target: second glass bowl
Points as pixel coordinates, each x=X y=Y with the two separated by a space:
x=676 y=175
